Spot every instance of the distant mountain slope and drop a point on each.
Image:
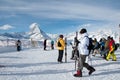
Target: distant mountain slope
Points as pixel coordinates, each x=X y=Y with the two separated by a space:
x=14 y=35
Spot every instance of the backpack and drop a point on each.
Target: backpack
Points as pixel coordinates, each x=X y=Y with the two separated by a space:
x=98 y=45
x=59 y=44
x=90 y=46
x=114 y=46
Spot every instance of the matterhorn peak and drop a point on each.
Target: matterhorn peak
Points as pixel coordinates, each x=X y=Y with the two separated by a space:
x=34 y=28
x=36 y=33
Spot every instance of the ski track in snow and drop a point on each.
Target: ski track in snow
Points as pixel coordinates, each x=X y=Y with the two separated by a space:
x=37 y=64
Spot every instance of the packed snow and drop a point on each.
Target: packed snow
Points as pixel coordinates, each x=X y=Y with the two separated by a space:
x=37 y=64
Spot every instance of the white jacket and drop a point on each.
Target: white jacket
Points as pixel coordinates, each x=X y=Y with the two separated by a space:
x=84 y=42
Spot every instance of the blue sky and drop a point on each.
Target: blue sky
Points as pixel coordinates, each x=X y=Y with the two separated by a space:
x=59 y=16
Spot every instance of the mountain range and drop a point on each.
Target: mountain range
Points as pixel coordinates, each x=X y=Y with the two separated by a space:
x=38 y=34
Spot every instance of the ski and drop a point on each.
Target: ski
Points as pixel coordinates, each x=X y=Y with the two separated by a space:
x=76 y=51
x=65 y=49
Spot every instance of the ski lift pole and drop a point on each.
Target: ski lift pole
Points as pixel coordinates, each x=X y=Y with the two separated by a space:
x=65 y=49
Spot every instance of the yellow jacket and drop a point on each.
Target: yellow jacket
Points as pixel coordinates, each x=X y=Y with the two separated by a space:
x=62 y=42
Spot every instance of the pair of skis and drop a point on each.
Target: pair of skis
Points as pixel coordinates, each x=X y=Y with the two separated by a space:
x=76 y=57
x=65 y=50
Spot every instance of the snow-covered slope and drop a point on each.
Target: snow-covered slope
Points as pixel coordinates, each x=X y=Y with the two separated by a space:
x=37 y=64
x=14 y=35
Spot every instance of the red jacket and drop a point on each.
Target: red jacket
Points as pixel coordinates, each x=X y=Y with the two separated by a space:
x=111 y=45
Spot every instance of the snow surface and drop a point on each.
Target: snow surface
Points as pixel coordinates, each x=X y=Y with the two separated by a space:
x=37 y=64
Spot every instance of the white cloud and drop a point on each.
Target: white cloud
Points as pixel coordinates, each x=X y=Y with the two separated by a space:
x=6 y=27
x=63 y=10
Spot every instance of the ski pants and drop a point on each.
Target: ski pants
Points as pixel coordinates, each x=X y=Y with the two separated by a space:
x=111 y=53
x=18 y=48
x=52 y=46
x=44 y=47
x=82 y=63
x=60 y=55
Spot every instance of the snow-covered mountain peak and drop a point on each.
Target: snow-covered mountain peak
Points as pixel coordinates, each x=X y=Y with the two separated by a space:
x=34 y=28
x=36 y=33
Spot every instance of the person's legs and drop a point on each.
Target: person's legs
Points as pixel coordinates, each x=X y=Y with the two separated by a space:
x=113 y=56
x=108 y=56
x=81 y=64
x=44 y=47
x=90 y=68
x=60 y=55
x=73 y=52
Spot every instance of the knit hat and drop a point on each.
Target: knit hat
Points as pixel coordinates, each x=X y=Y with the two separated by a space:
x=83 y=30
x=61 y=36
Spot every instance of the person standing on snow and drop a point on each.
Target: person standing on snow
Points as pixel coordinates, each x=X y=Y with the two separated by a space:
x=84 y=52
x=111 y=50
x=60 y=47
x=96 y=47
x=52 y=44
x=18 y=44
x=45 y=43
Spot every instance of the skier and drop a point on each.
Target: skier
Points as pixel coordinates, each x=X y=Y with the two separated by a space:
x=96 y=47
x=111 y=50
x=102 y=45
x=106 y=49
x=45 y=42
x=18 y=44
x=60 y=47
x=52 y=44
x=84 y=41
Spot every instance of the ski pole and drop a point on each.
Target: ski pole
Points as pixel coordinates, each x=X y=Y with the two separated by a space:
x=75 y=64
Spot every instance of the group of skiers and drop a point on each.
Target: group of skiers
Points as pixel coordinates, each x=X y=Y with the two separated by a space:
x=104 y=47
x=108 y=47
x=82 y=47
x=85 y=46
